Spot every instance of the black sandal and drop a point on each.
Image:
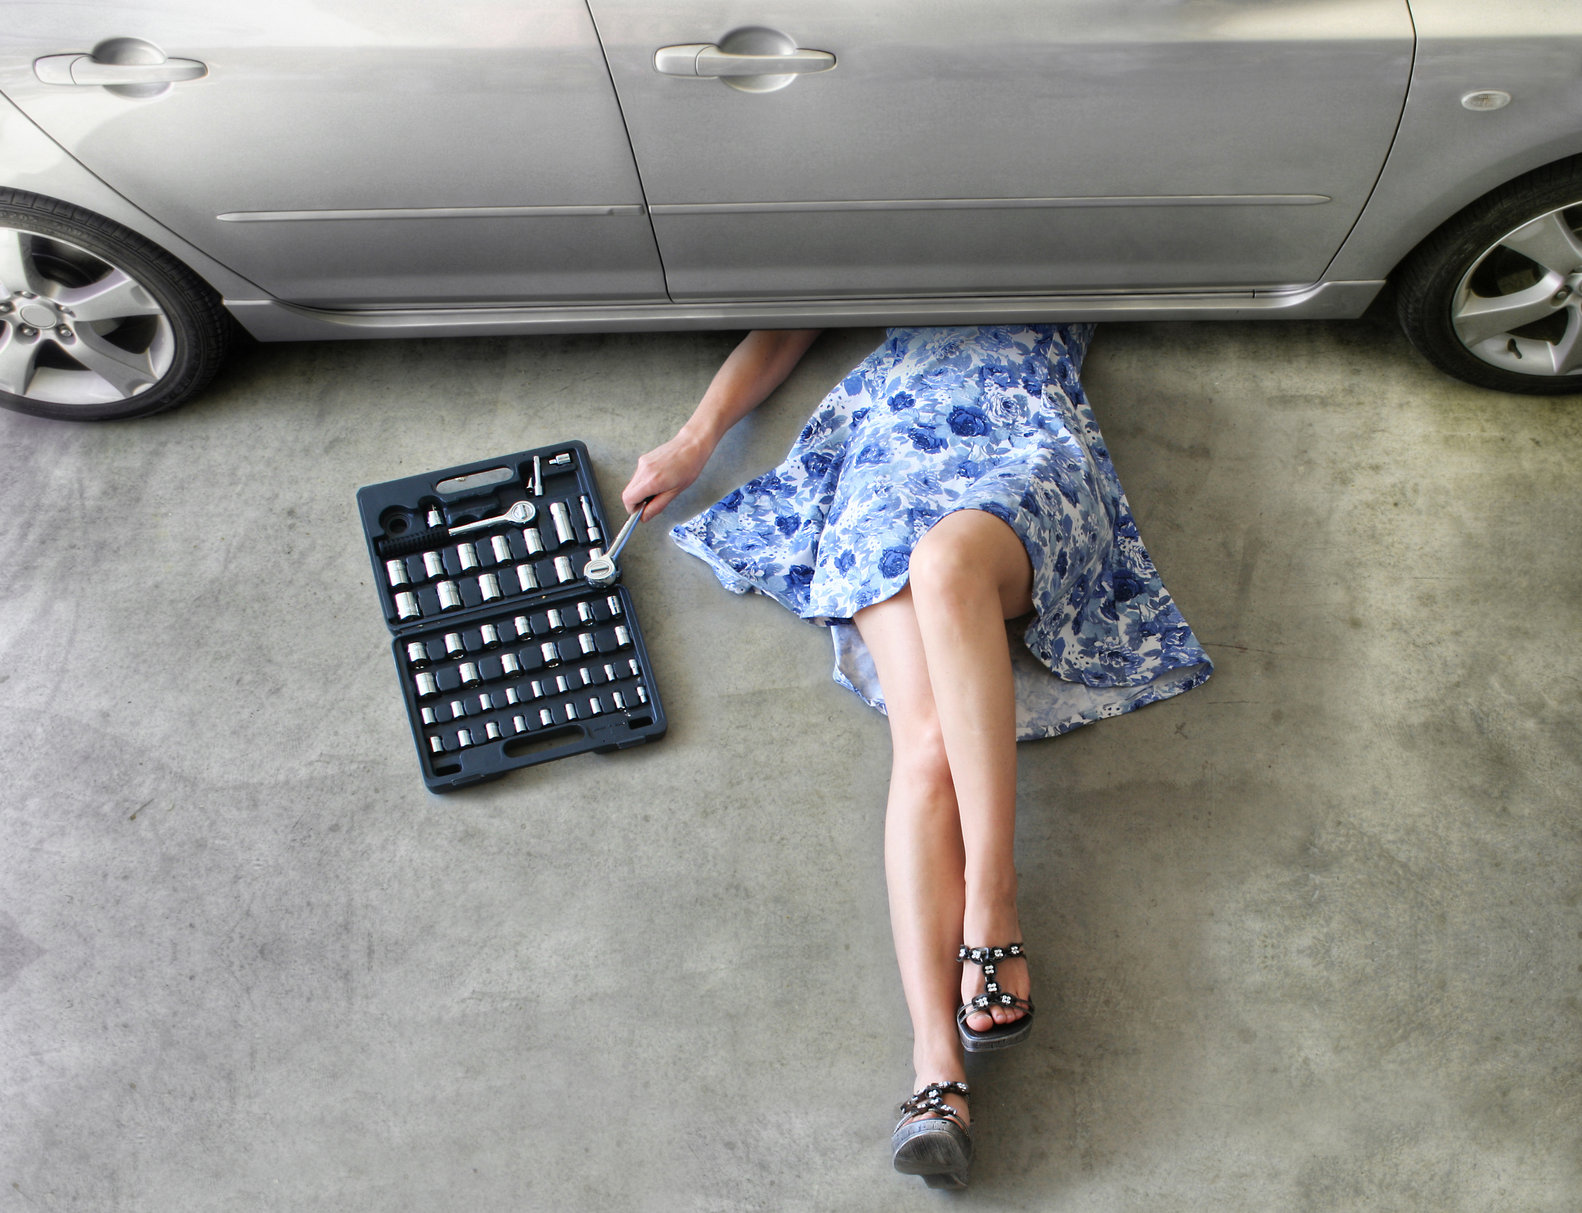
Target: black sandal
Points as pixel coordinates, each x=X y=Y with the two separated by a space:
x=1001 y=1035
x=936 y=1145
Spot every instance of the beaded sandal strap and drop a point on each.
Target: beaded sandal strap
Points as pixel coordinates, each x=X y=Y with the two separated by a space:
x=992 y=995
x=930 y=1101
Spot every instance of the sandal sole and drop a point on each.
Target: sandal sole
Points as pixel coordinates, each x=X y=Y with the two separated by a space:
x=940 y=1157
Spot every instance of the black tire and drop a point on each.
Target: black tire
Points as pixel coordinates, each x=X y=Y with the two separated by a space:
x=64 y=362
x=1484 y=311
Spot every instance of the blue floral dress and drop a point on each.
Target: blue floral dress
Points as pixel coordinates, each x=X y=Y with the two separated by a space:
x=943 y=419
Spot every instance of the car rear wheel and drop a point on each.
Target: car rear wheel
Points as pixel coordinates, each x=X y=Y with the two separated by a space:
x=97 y=323
x=1494 y=296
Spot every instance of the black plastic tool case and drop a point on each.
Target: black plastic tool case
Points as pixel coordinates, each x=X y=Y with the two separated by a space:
x=507 y=655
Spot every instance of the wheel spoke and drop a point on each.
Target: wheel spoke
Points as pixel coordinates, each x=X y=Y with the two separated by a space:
x=116 y=296
x=1550 y=242
x=126 y=372
x=16 y=263
x=16 y=364
x=1485 y=316
x=1567 y=352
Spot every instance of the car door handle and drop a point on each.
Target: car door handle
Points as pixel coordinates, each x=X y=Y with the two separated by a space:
x=85 y=70
x=708 y=61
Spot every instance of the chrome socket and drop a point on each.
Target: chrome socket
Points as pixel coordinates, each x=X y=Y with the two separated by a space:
x=561 y=517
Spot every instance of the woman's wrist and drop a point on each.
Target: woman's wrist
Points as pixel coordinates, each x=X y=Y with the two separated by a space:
x=702 y=433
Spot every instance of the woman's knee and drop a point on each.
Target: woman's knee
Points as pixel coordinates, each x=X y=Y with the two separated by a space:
x=943 y=566
x=969 y=559
x=918 y=756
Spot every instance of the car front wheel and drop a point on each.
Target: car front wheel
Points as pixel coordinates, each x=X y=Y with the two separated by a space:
x=1494 y=296
x=97 y=323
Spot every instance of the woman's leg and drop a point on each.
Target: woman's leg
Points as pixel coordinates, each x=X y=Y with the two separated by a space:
x=969 y=574
x=940 y=651
x=922 y=844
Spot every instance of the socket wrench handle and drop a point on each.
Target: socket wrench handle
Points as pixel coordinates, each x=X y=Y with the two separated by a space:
x=601 y=570
x=522 y=511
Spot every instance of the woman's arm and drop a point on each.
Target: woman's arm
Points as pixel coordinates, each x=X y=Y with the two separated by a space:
x=754 y=369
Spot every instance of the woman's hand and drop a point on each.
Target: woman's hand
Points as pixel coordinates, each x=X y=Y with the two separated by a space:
x=664 y=472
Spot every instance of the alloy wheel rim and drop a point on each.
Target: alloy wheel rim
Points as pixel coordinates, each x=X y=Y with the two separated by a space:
x=1519 y=306
x=76 y=329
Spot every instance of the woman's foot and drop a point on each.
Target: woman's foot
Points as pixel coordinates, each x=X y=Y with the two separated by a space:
x=955 y=1100
x=1011 y=973
x=931 y=1139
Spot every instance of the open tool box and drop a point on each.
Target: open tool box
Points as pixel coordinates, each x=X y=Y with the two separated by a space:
x=508 y=654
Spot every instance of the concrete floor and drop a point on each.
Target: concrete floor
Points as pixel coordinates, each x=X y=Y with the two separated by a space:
x=1304 y=939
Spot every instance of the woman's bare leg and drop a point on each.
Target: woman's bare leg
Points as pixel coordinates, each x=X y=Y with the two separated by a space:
x=940 y=651
x=968 y=575
x=923 y=854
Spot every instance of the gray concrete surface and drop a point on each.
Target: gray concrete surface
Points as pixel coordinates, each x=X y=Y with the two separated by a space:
x=1305 y=939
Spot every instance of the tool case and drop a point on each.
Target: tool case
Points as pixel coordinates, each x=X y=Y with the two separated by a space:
x=506 y=653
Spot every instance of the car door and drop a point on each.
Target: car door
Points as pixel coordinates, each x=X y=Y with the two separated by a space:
x=996 y=146
x=343 y=152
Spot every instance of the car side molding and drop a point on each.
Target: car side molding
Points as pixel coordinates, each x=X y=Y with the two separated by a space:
x=271 y=320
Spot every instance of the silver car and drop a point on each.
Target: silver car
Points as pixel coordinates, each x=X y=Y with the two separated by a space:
x=306 y=169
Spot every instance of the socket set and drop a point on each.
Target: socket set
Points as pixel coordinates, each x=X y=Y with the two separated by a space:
x=514 y=642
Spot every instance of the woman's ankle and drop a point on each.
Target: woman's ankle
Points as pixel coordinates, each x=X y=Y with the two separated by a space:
x=990 y=909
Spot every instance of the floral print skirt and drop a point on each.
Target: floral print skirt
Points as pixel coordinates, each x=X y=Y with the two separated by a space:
x=943 y=419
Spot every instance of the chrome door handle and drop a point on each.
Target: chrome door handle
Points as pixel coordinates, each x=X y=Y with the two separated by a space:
x=85 y=70
x=708 y=61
